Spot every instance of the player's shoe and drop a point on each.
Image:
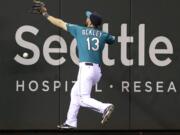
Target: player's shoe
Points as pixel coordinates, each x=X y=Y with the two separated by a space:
x=107 y=114
x=66 y=127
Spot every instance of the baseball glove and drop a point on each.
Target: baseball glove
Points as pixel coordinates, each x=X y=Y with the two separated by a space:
x=38 y=7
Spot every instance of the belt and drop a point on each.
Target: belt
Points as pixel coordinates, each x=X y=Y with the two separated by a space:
x=89 y=64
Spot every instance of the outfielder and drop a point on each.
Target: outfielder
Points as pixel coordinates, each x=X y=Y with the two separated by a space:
x=90 y=44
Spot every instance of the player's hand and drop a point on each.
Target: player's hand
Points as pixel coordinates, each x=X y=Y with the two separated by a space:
x=38 y=7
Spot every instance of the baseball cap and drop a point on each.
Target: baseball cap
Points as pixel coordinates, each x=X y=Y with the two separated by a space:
x=95 y=18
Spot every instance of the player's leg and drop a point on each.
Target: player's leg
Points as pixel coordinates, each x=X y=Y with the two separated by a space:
x=86 y=81
x=73 y=107
x=108 y=111
x=87 y=101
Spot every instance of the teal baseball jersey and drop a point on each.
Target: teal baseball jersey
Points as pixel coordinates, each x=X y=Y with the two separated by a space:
x=90 y=42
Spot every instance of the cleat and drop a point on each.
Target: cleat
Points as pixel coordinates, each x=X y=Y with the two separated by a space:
x=66 y=127
x=107 y=114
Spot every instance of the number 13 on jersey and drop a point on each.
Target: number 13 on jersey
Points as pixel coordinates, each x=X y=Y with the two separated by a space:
x=93 y=44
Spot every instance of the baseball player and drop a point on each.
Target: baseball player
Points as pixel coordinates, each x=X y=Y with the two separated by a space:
x=90 y=44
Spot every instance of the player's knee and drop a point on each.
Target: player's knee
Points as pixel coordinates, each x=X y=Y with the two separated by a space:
x=83 y=99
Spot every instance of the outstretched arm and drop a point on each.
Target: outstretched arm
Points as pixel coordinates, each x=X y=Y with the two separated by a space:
x=57 y=22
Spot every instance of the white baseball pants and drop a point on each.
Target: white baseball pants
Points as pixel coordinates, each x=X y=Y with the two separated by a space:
x=88 y=76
